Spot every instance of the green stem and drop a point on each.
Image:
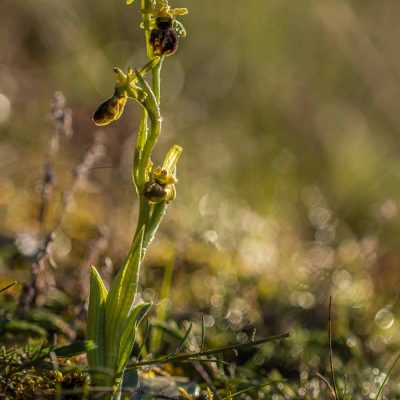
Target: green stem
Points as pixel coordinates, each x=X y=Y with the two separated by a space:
x=147 y=5
x=159 y=210
x=145 y=147
x=154 y=133
x=156 y=74
x=144 y=214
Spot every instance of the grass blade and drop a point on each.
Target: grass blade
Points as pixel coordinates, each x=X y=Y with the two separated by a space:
x=331 y=350
x=203 y=332
x=183 y=341
x=217 y=350
x=231 y=396
x=74 y=349
x=163 y=307
x=387 y=376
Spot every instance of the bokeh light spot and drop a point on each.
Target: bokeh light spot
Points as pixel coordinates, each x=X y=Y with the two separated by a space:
x=384 y=318
x=5 y=108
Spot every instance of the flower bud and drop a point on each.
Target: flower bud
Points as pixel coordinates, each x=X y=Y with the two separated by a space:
x=110 y=110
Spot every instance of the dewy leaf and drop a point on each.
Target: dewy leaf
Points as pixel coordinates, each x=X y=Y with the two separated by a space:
x=96 y=320
x=120 y=300
x=129 y=333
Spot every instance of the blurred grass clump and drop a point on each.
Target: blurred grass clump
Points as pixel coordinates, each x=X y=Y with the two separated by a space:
x=288 y=116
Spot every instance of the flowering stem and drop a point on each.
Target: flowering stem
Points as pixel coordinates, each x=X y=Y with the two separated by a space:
x=113 y=319
x=145 y=143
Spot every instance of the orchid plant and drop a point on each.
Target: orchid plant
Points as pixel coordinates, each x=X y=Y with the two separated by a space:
x=113 y=317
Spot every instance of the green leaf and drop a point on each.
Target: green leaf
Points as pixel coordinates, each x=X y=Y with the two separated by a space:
x=140 y=142
x=75 y=348
x=129 y=333
x=17 y=326
x=129 y=1
x=96 y=323
x=120 y=300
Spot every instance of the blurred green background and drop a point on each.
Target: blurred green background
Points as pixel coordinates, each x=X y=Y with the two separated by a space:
x=288 y=113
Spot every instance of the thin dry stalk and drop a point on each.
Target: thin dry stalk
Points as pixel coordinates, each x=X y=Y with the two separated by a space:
x=34 y=290
x=80 y=175
x=62 y=124
x=218 y=350
x=331 y=350
x=42 y=280
x=8 y=286
x=327 y=383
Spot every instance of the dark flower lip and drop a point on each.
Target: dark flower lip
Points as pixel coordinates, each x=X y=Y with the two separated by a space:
x=164 y=23
x=109 y=110
x=104 y=113
x=164 y=42
x=154 y=192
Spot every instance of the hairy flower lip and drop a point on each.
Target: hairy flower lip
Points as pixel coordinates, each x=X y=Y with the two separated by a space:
x=164 y=42
x=109 y=110
x=156 y=192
